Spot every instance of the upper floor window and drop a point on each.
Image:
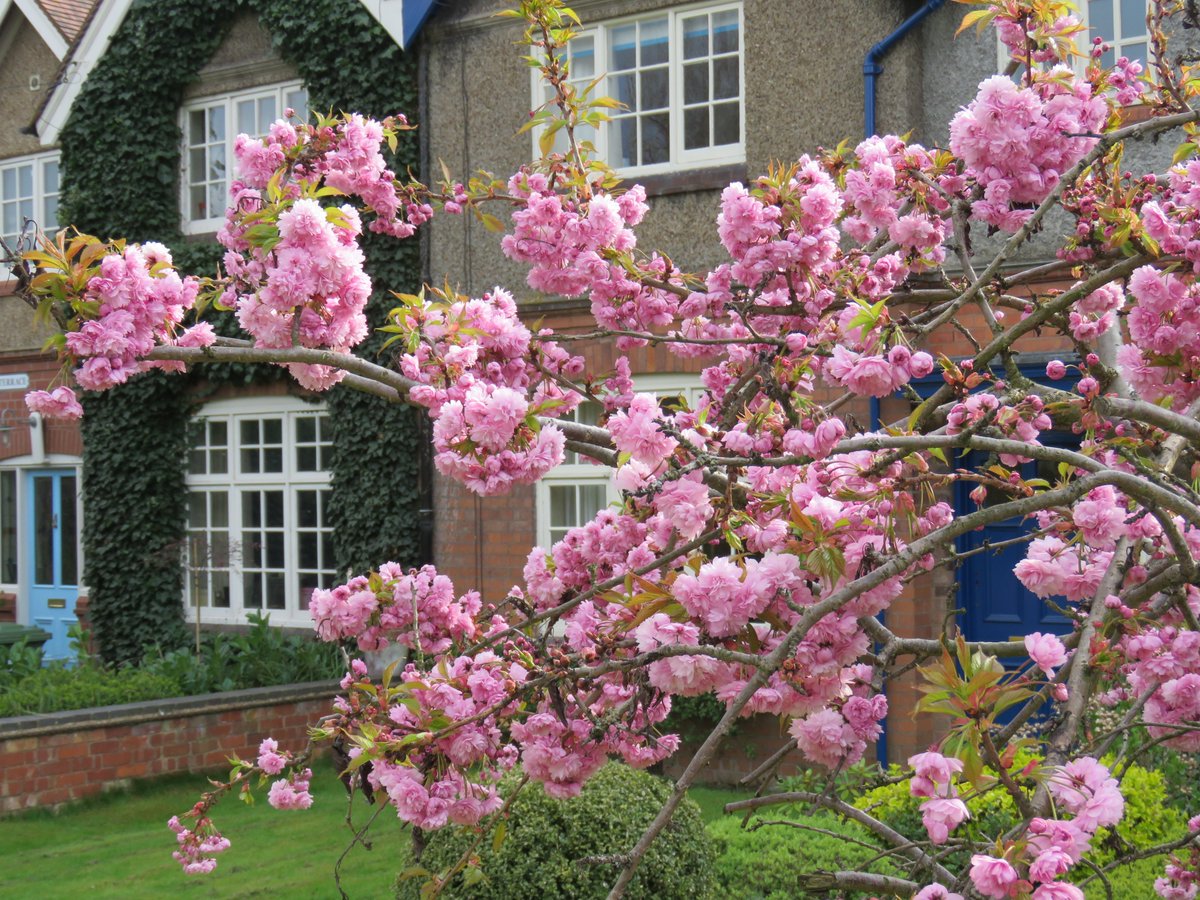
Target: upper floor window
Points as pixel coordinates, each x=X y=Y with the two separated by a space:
x=678 y=77
x=210 y=126
x=1122 y=24
x=28 y=190
x=259 y=538
x=8 y=527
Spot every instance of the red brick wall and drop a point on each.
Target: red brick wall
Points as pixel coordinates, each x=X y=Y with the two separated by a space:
x=50 y=760
x=61 y=436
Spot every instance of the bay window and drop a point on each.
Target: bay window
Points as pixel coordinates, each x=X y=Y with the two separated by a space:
x=259 y=538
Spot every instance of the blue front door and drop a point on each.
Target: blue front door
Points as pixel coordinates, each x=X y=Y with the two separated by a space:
x=53 y=555
x=996 y=606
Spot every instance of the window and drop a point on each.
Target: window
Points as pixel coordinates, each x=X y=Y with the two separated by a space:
x=572 y=493
x=210 y=127
x=1122 y=24
x=8 y=527
x=28 y=190
x=678 y=76
x=259 y=538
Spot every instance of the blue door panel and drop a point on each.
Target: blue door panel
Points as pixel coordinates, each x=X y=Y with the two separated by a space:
x=52 y=556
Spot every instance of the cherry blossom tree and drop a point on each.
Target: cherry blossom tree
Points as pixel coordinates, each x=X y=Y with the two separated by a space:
x=761 y=533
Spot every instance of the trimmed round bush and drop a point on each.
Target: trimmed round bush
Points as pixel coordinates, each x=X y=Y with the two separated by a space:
x=545 y=838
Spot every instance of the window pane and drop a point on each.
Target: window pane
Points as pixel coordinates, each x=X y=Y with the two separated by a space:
x=220 y=589
x=276 y=591
x=306 y=459
x=725 y=31
x=43 y=530
x=273 y=431
x=274 y=504
x=1133 y=19
x=592 y=499
x=623 y=134
x=1135 y=51
x=10 y=184
x=695 y=83
x=197 y=510
x=245 y=118
x=273 y=459
x=695 y=128
x=196 y=127
x=50 y=214
x=1100 y=19
x=197 y=202
x=625 y=90
x=266 y=115
x=216 y=123
x=252 y=509
x=8 y=528
x=252 y=590
x=622 y=52
x=50 y=177
x=583 y=59
x=695 y=37
x=562 y=506
x=725 y=78
x=220 y=509
x=297 y=101
x=727 y=124
x=306 y=509
x=308 y=553
x=306 y=429
x=654 y=89
x=656 y=139
x=69 y=534
x=654 y=41
x=274 y=550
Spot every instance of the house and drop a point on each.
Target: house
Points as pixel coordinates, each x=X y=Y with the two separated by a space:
x=234 y=473
x=713 y=91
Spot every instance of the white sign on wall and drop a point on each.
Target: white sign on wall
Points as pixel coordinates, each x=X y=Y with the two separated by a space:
x=15 y=382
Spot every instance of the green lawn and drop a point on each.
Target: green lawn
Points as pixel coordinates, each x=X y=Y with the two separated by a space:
x=119 y=847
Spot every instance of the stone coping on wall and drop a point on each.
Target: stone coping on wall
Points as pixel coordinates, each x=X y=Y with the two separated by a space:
x=158 y=710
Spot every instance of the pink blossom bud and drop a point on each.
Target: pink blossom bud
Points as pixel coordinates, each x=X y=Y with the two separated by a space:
x=1056 y=370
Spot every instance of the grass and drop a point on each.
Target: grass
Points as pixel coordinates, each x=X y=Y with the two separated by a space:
x=118 y=846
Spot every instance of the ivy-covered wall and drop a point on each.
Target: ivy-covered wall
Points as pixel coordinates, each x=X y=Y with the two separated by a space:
x=121 y=166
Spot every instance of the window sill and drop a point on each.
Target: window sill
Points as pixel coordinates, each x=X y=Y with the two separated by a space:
x=712 y=178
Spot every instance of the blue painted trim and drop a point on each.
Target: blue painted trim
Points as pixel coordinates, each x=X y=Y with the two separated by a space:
x=415 y=13
x=873 y=63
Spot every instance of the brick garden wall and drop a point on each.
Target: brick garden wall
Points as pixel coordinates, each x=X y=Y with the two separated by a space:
x=48 y=760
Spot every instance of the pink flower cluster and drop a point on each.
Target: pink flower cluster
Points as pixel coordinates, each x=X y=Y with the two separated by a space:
x=291 y=793
x=198 y=845
x=483 y=380
x=1162 y=358
x=1018 y=142
x=874 y=375
x=415 y=609
x=1166 y=661
x=933 y=778
x=306 y=288
x=1083 y=788
x=136 y=302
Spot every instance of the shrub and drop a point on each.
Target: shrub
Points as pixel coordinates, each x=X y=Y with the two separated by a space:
x=546 y=837
x=17 y=661
x=1149 y=819
x=57 y=688
x=772 y=862
x=261 y=657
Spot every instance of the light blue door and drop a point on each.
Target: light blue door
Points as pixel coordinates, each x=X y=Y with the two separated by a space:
x=53 y=555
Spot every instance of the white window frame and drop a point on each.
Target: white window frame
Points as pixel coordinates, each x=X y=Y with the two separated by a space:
x=584 y=474
x=238 y=485
x=228 y=103
x=38 y=199
x=1119 y=41
x=679 y=159
x=1083 y=42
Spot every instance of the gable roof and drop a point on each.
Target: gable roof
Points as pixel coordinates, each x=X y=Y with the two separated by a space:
x=96 y=21
x=68 y=16
x=57 y=22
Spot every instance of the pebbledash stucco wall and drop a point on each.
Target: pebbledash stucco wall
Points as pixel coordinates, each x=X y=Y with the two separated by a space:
x=803 y=89
x=27 y=69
